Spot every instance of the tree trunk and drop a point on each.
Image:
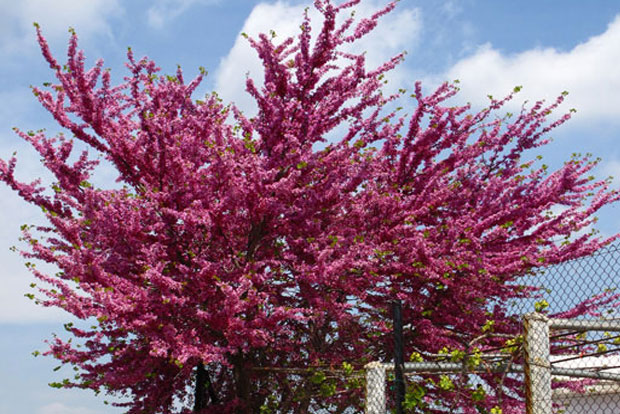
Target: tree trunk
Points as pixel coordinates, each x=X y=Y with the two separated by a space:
x=242 y=384
x=203 y=389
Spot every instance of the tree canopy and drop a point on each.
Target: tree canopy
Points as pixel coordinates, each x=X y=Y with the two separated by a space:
x=230 y=244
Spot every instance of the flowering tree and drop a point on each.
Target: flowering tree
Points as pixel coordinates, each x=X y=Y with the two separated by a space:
x=238 y=244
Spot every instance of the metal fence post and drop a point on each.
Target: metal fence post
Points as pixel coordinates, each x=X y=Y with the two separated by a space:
x=375 y=388
x=537 y=364
x=399 y=380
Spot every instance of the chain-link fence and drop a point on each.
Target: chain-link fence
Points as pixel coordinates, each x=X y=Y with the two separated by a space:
x=572 y=356
x=559 y=353
x=310 y=390
x=447 y=387
x=565 y=358
x=572 y=365
x=551 y=377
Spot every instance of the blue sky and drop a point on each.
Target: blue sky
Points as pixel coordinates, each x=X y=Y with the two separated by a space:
x=489 y=45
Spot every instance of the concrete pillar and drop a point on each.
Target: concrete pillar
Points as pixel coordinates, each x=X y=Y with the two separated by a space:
x=537 y=364
x=375 y=388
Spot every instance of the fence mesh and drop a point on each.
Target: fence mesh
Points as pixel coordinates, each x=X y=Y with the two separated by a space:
x=545 y=365
x=545 y=368
x=316 y=390
x=584 y=289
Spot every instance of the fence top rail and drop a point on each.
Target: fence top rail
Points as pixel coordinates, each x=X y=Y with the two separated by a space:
x=453 y=367
x=612 y=325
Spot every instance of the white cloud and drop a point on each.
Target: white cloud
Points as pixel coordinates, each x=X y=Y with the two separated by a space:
x=589 y=72
x=59 y=408
x=55 y=17
x=14 y=211
x=611 y=168
x=17 y=309
x=396 y=32
x=165 y=10
x=22 y=104
x=14 y=307
x=452 y=8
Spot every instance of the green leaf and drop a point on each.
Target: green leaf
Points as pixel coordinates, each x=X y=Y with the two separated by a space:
x=488 y=326
x=416 y=357
x=541 y=305
x=445 y=383
x=479 y=394
x=348 y=368
x=317 y=378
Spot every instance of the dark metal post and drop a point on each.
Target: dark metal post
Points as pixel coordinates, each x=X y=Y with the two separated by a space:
x=399 y=381
x=203 y=387
x=200 y=400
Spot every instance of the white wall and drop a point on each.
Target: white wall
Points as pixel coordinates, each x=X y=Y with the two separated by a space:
x=590 y=404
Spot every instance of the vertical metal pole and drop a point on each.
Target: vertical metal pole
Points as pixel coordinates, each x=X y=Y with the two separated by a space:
x=399 y=381
x=200 y=388
x=375 y=388
x=537 y=364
